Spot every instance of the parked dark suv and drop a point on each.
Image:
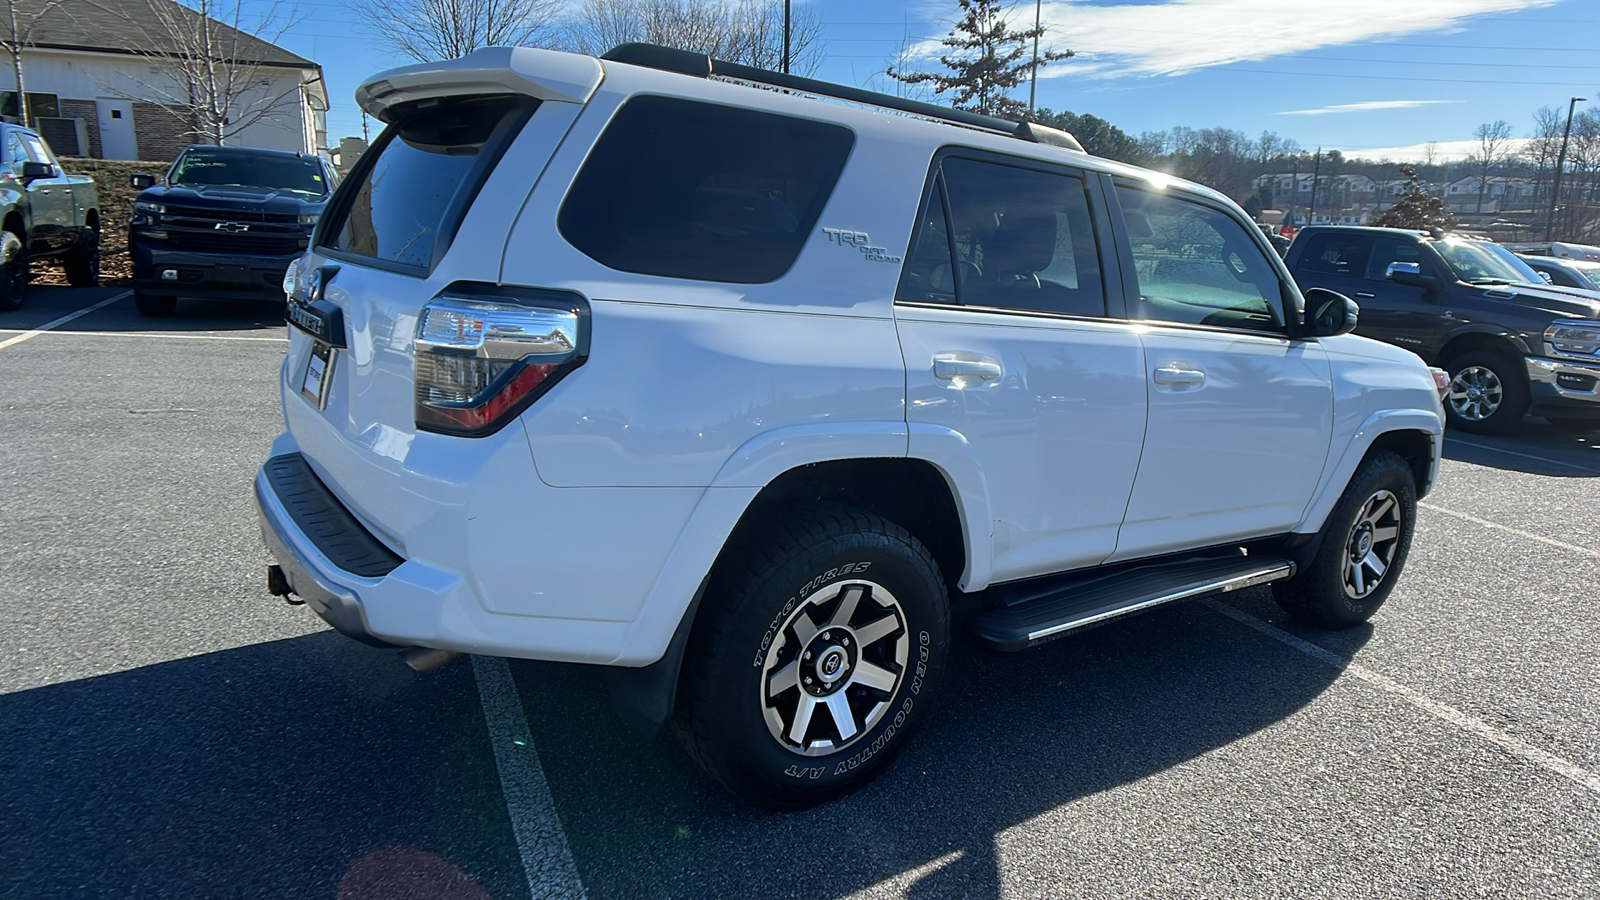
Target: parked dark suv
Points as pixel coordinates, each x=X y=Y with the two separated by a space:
x=225 y=222
x=1510 y=346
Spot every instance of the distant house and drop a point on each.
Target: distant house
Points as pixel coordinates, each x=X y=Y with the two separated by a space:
x=96 y=87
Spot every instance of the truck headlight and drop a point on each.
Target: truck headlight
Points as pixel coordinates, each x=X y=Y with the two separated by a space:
x=309 y=219
x=1573 y=338
x=148 y=208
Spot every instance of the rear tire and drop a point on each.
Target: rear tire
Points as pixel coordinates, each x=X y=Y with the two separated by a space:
x=817 y=649
x=82 y=262
x=155 y=306
x=13 y=271
x=1488 y=392
x=1364 y=545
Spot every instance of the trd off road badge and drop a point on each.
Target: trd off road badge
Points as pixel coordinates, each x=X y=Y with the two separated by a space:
x=844 y=237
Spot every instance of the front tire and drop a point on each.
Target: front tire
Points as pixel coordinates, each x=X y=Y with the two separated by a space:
x=13 y=271
x=1488 y=392
x=819 y=646
x=82 y=262
x=1364 y=545
x=155 y=306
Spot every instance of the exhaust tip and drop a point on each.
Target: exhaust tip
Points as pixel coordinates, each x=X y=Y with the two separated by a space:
x=426 y=659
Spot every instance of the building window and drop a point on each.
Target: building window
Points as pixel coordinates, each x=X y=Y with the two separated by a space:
x=38 y=105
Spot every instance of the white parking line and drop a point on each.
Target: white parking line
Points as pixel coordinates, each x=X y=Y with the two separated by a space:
x=1543 y=459
x=162 y=335
x=29 y=335
x=1515 y=746
x=535 y=826
x=1516 y=531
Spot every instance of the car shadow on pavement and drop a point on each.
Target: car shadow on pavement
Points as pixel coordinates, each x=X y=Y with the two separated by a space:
x=1536 y=448
x=45 y=303
x=309 y=767
x=1014 y=737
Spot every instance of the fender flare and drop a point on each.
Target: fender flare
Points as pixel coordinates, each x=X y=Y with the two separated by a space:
x=1510 y=337
x=1374 y=426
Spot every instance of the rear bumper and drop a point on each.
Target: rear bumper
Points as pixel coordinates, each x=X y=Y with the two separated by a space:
x=1564 y=388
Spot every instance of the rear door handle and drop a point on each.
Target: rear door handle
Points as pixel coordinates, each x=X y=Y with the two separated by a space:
x=950 y=366
x=1175 y=374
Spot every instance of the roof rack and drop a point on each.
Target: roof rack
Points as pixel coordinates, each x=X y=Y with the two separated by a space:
x=700 y=65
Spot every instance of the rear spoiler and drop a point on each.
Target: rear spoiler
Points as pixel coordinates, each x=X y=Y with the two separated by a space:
x=545 y=74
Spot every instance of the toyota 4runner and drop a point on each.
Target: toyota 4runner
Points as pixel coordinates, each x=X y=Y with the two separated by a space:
x=688 y=370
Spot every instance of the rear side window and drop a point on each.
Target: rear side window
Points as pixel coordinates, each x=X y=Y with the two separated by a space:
x=403 y=208
x=1023 y=240
x=1335 y=253
x=684 y=189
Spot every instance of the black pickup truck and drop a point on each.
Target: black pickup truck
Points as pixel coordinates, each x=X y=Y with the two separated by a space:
x=1511 y=343
x=44 y=213
x=223 y=223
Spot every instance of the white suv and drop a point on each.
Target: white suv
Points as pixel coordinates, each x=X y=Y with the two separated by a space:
x=695 y=372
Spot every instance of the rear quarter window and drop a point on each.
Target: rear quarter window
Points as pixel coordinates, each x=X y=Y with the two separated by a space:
x=401 y=209
x=684 y=189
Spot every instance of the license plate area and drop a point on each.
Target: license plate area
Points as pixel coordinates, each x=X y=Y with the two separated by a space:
x=318 y=374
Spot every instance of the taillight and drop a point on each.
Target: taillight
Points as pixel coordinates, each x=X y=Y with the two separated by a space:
x=483 y=355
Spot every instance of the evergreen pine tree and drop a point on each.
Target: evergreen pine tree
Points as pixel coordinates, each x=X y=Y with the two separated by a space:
x=986 y=60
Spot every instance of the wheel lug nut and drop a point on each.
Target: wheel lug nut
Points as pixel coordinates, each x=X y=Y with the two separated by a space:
x=808 y=679
x=827 y=635
x=844 y=641
x=808 y=654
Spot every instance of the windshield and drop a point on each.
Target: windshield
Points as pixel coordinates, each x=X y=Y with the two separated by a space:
x=202 y=168
x=1484 y=263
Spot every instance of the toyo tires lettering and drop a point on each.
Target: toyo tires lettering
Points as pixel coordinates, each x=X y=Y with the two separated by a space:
x=895 y=724
x=788 y=607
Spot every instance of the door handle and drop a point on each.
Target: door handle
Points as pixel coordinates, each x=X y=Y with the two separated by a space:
x=1174 y=374
x=950 y=366
x=1366 y=295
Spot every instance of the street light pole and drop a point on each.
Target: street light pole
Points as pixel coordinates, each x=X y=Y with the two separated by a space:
x=1033 y=80
x=785 y=37
x=1561 y=163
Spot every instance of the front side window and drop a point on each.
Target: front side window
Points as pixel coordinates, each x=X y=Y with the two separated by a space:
x=684 y=189
x=425 y=171
x=37 y=149
x=1023 y=240
x=221 y=168
x=1387 y=250
x=1198 y=266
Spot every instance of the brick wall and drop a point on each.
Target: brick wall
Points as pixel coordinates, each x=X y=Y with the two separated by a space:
x=90 y=114
x=159 y=131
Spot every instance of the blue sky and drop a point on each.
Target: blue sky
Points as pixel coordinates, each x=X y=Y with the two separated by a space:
x=1353 y=74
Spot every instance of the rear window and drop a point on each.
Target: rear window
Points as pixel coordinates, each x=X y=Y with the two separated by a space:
x=692 y=190
x=403 y=207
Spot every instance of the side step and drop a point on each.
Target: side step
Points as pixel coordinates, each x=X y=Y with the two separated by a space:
x=1025 y=613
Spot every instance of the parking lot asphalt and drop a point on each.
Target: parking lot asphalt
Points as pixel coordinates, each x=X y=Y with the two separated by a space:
x=167 y=729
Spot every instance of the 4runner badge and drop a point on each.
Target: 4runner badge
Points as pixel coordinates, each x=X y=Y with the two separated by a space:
x=844 y=237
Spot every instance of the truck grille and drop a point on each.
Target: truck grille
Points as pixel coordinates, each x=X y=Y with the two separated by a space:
x=247 y=244
x=208 y=216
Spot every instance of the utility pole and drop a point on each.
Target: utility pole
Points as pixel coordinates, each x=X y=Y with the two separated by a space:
x=1294 y=188
x=1316 y=174
x=1033 y=77
x=1561 y=163
x=786 y=37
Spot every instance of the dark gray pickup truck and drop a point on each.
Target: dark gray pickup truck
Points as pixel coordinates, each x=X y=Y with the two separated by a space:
x=44 y=213
x=1511 y=343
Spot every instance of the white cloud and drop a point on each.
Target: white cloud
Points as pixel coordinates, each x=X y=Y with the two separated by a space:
x=1363 y=106
x=1443 y=151
x=1176 y=36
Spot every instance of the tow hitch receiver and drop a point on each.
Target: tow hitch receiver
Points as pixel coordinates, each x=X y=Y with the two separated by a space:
x=278 y=585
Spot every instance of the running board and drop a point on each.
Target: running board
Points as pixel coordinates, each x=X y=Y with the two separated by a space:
x=1032 y=612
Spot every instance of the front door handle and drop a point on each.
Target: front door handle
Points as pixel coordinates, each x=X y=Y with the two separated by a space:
x=1177 y=374
x=950 y=366
x=1366 y=295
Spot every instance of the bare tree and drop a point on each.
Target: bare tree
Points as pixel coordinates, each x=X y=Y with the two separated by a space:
x=208 y=65
x=22 y=19
x=749 y=32
x=1543 y=147
x=428 y=30
x=1494 y=149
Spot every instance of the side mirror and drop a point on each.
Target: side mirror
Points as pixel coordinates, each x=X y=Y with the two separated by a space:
x=1329 y=313
x=32 y=170
x=1547 y=278
x=1410 y=273
x=141 y=180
